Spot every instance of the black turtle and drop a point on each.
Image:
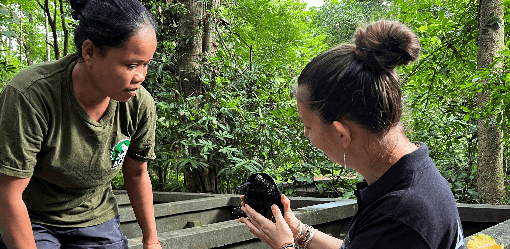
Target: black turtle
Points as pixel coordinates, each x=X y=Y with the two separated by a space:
x=261 y=192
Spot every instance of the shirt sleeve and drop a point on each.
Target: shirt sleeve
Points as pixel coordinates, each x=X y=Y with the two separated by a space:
x=143 y=140
x=22 y=131
x=383 y=231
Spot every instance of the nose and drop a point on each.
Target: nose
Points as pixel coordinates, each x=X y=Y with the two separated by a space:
x=140 y=74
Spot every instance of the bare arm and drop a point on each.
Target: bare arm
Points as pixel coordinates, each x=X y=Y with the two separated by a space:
x=322 y=240
x=139 y=189
x=15 y=225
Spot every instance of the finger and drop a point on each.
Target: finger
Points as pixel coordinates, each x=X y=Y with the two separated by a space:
x=254 y=229
x=242 y=200
x=256 y=218
x=277 y=214
x=286 y=203
x=286 y=207
x=250 y=226
x=251 y=213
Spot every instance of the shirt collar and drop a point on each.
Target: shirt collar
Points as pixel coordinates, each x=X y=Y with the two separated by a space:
x=395 y=174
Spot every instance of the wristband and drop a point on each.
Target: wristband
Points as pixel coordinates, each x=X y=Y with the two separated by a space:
x=286 y=245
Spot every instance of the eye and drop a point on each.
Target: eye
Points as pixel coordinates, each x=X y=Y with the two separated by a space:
x=147 y=64
x=131 y=67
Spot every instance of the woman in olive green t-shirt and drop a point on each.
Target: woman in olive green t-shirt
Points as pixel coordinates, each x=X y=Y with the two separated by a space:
x=68 y=126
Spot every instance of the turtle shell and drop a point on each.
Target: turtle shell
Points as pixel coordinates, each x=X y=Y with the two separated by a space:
x=261 y=192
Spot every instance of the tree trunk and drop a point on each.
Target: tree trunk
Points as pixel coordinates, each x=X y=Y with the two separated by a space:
x=162 y=173
x=209 y=43
x=189 y=63
x=22 y=39
x=47 y=29
x=64 y=28
x=20 y=35
x=53 y=25
x=490 y=172
x=190 y=48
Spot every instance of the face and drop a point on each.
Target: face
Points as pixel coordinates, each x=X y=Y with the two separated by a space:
x=118 y=72
x=320 y=135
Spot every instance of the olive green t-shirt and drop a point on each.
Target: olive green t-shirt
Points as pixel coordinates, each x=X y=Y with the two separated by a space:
x=45 y=134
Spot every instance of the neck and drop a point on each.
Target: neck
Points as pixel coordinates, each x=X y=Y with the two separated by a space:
x=382 y=153
x=92 y=101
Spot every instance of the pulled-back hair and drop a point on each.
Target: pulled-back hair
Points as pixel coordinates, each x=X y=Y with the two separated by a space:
x=358 y=82
x=108 y=23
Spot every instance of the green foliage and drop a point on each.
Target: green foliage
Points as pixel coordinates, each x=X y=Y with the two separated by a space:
x=440 y=89
x=339 y=19
x=7 y=69
x=23 y=35
x=246 y=120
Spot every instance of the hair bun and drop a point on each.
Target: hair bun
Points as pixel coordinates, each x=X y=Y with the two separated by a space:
x=386 y=45
x=77 y=6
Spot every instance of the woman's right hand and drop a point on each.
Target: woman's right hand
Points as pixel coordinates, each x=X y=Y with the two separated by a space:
x=289 y=217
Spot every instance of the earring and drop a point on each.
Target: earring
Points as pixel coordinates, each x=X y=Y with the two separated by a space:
x=345 y=165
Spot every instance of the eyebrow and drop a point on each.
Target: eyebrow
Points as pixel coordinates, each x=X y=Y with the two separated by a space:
x=137 y=61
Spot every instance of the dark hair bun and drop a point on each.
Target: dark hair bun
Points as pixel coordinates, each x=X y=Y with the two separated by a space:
x=386 y=45
x=77 y=6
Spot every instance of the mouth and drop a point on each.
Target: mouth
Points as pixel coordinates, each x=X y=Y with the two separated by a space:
x=132 y=92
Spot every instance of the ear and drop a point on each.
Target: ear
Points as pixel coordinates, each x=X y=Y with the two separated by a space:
x=87 y=51
x=343 y=131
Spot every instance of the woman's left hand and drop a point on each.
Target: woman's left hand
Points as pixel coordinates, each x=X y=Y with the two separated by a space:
x=273 y=234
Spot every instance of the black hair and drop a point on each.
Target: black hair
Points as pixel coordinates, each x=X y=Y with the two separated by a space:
x=108 y=23
x=358 y=82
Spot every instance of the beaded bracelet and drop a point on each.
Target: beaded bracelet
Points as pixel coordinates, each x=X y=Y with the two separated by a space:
x=286 y=245
x=312 y=233
x=304 y=237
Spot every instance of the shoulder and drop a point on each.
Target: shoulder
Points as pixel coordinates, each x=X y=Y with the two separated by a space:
x=428 y=206
x=47 y=72
x=421 y=200
x=40 y=87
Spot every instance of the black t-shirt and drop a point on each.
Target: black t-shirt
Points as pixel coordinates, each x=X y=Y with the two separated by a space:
x=410 y=206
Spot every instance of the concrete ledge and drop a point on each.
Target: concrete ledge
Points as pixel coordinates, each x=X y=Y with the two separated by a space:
x=500 y=233
x=207 y=236
x=483 y=212
x=231 y=233
x=326 y=212
x=171 y=208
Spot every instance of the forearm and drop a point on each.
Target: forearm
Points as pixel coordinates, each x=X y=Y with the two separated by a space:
x=15 y=225
x=324 y=241
x=319 y=240
x=139 y=189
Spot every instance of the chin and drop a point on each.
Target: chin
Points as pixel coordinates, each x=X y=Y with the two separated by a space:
x=124 y=99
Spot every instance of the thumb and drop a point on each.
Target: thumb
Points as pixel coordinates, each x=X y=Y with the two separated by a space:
x=286 y=205
x=291 y=220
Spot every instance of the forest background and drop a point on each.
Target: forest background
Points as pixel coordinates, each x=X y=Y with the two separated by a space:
x=222 y=74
